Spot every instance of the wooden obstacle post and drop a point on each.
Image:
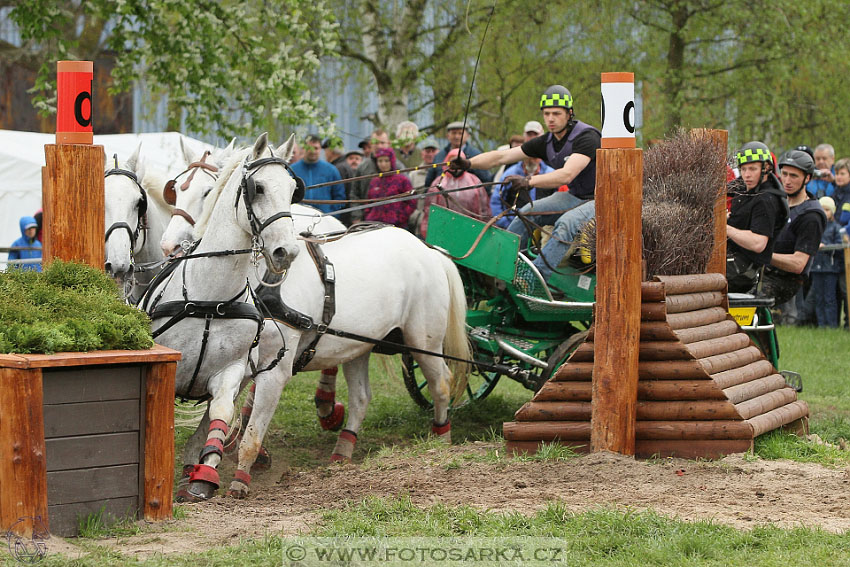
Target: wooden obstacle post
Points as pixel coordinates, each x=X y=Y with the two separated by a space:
x=717 y=261
x=619 y=183
x=72 y=179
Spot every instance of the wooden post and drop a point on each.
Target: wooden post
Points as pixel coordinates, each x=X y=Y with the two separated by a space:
x=73 y=203
x=619 y=183
x=159 y=441
x=23 y=464
x=717 y=261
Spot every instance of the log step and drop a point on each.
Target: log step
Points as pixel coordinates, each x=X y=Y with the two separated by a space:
x=754 y=388
x=747 y=373
x=675 y=285
x=706 y=332
x=778 y=417
x=657 y=430
x=720 y=345
x=766 y=402
x=648 y=448
x=694 y=301
x=646 y=411
x=697 y=318
x=730 y=360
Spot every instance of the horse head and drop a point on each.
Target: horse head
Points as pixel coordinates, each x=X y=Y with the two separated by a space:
x=126 y=204
x=264 y=198
x=186 y=193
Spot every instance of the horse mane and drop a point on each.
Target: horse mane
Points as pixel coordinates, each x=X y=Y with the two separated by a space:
x=153 y=184
x=214 y=194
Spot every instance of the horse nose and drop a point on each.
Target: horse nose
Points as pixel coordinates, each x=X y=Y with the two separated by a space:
x=108 y=268
x=283 y=256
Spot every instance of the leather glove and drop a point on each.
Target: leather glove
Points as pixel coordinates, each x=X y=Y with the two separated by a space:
x=517 y=185
x=458 y=165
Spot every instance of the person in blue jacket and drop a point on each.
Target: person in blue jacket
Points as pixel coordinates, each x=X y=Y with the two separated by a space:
x=27 y=240
x=314 y=171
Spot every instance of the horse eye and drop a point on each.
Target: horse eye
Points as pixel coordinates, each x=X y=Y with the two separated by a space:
x=260 y=189
x=207 y=191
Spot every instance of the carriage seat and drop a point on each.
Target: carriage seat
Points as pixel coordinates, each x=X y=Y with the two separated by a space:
x=749 y=300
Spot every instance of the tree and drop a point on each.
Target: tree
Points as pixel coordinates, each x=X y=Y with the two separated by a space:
x=227 y=67
x=406 y=46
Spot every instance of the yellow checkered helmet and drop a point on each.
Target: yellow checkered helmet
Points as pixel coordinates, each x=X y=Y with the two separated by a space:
x=751 y=152
x=556 y=96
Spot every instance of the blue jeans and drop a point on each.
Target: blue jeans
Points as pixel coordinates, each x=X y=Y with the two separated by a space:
x=567 y=228
x=536 y=211
x=826 y=305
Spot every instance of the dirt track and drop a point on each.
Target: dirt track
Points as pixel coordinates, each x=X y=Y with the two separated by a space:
x=733 y=491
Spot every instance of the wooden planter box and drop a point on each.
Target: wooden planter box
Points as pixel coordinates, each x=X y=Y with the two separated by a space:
x=82 y=433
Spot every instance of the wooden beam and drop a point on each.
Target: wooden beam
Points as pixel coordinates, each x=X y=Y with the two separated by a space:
x=619 y=183
x=695 y=283
x=159 y=441
x=23 y=462
x=73 y=204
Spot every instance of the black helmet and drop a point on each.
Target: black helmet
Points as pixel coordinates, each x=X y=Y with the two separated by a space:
x=556 y=96
x=753 y=151
x=799 y=159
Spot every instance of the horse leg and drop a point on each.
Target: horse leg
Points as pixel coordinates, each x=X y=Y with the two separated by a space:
x=234 y=436
x=266 y=397
x=204 y=479
x=438 y=376
x=190 y=454
x=331 y=413
x=359 y=394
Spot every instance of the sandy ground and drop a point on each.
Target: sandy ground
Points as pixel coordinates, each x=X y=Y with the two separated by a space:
x=735 y=491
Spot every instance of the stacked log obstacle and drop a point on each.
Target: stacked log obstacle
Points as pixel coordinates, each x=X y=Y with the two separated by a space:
x=704 y=388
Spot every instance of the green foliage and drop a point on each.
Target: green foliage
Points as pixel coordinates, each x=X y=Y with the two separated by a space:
x=68 y=307
x=227 y=67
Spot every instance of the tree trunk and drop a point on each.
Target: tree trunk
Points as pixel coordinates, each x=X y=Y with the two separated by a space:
x=674 y=80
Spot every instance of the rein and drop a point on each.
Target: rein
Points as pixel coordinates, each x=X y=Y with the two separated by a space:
x=141 y=225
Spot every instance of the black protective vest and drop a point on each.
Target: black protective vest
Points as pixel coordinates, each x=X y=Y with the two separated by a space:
x=584 y=183
x=787 y=240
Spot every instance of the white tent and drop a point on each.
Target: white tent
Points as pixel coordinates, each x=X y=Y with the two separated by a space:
x=22 y=157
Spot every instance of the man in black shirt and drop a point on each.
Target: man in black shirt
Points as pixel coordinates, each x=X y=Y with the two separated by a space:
x=799 y=240
x=570 y=149
x=759 y=211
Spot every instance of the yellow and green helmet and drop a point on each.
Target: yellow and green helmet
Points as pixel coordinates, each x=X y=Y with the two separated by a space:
x=556 y=96
x=751 y=152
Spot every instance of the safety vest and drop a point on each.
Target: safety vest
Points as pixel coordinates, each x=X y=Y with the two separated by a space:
x=787 y=239
x=584 y=183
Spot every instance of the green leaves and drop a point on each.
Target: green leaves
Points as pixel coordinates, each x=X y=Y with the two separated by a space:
x=227 y=67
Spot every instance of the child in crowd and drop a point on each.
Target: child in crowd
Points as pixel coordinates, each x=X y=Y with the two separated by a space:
x=29 y=227
x=389 y=185
x=826 y=268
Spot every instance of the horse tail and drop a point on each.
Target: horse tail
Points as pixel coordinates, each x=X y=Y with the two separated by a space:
x=456 y=342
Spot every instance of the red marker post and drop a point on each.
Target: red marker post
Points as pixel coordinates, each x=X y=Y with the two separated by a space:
x=74 y=102
x=72 y=179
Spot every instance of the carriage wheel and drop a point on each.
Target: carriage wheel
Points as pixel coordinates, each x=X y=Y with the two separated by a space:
x=479 y=386
x=560 y=356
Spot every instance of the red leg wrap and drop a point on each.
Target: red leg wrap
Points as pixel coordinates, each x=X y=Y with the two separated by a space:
x=441 y=429
x=205 y=473
x=187 y=471
x=217 y=443
x=330 y=371
x=333 y=421
x=242 y=477
x=218 y=424
x=324 y=396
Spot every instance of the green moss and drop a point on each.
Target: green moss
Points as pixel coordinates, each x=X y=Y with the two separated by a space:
x=68 y=307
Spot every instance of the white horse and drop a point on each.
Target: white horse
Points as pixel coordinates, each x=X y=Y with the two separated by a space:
x=202 y=306
x=187 y=197
x=387 y=283
x=135 y=219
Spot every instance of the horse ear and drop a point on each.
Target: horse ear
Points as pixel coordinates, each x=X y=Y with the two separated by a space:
x=187 y=157
x=286 y=150
x=232 y=145
x=133 y=162
x=260 y=146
